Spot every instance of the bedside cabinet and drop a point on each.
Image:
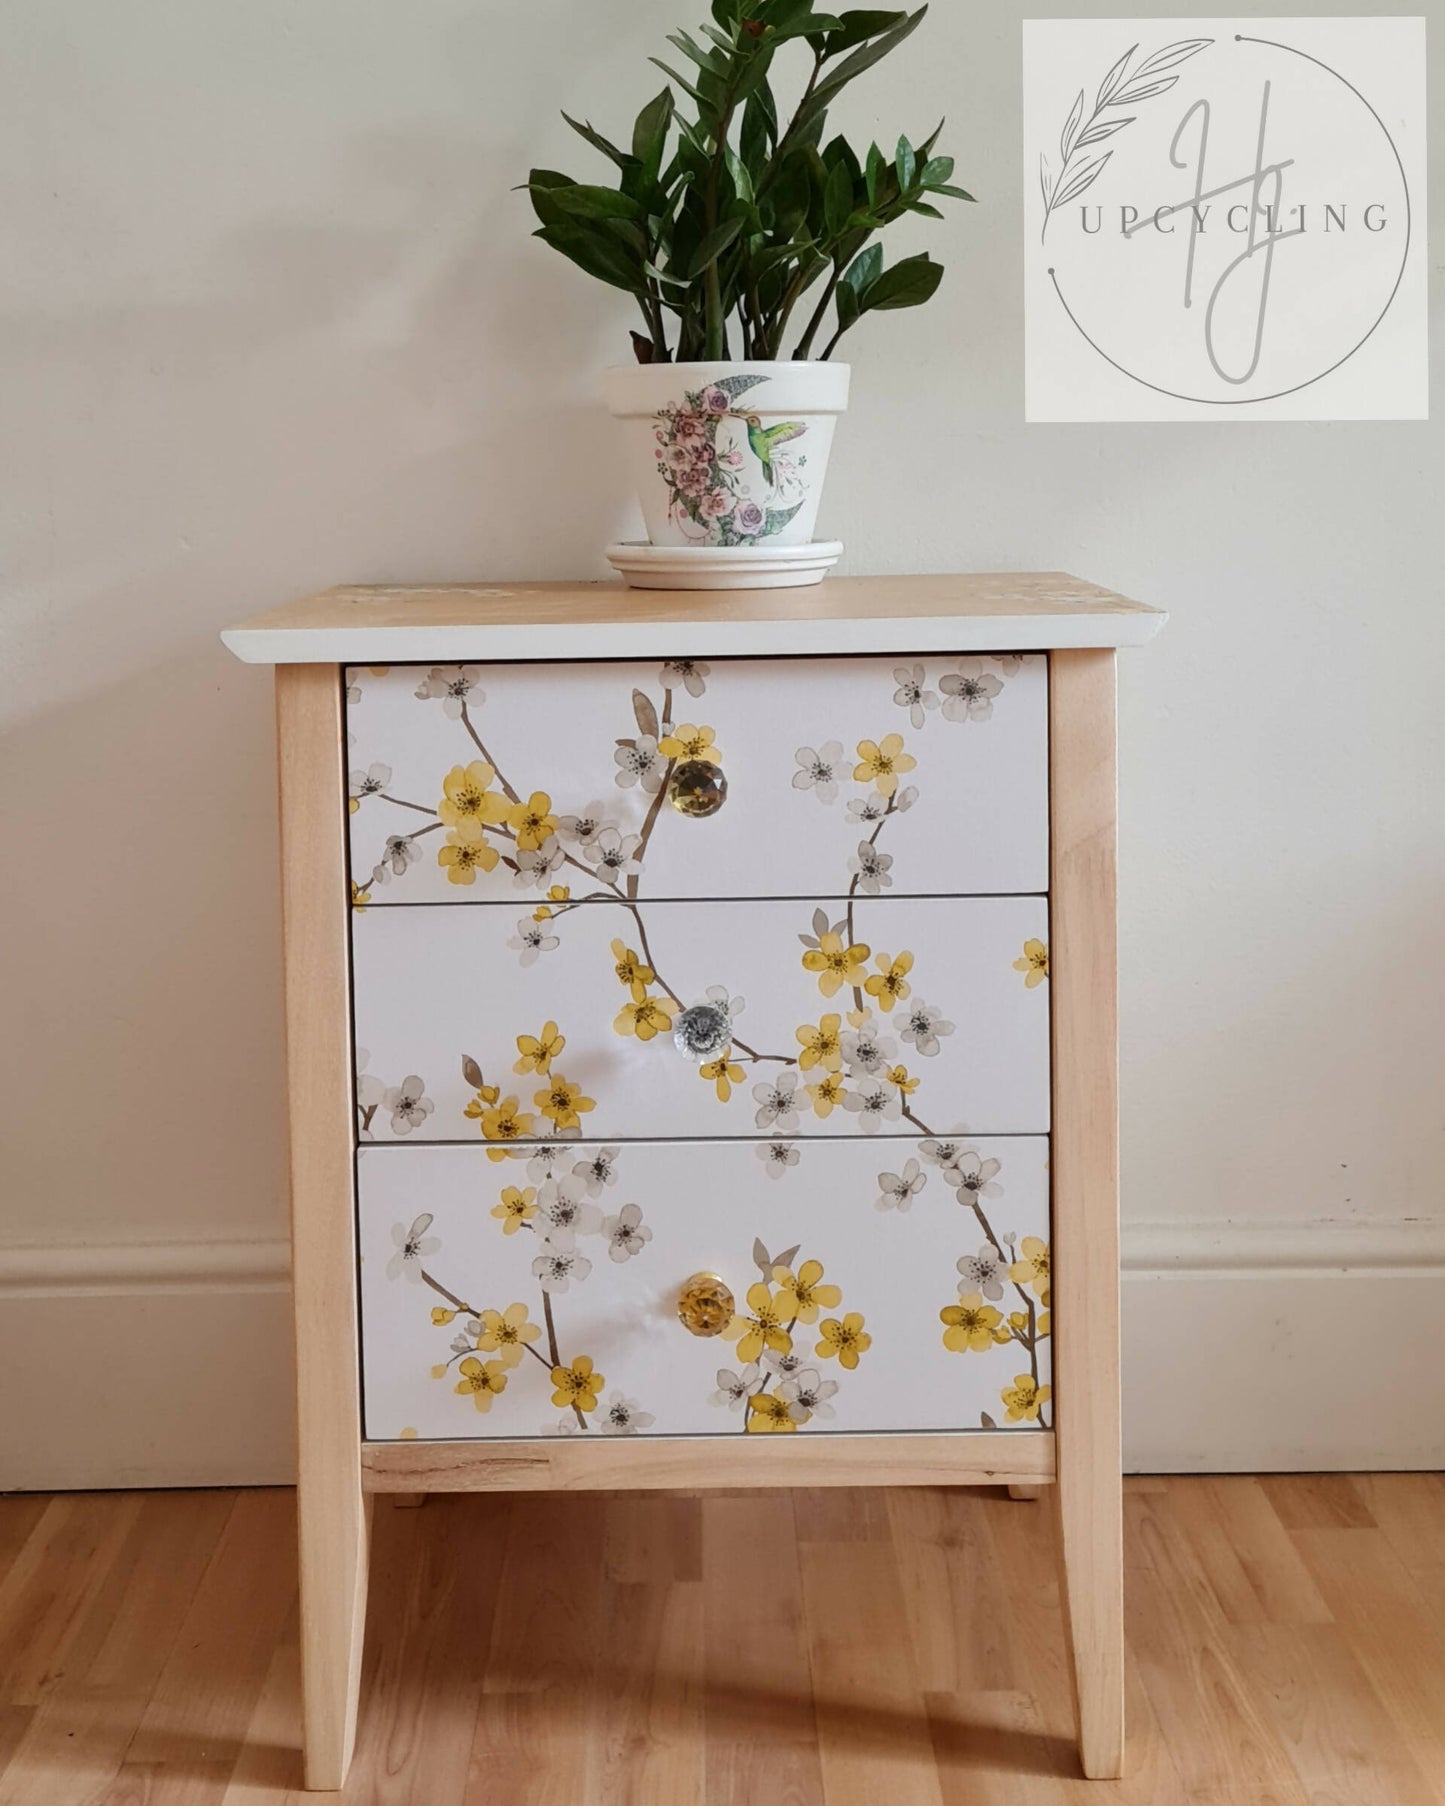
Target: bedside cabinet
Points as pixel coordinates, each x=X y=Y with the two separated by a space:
x=701 y=1048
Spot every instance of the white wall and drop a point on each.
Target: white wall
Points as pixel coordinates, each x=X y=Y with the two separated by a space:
x=272 y=319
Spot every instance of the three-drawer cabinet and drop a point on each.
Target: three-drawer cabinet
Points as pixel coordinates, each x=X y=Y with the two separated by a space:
x=701 y=1058
x=734 y=969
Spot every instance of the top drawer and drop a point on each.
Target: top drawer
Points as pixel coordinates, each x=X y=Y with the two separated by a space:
x=890 y=776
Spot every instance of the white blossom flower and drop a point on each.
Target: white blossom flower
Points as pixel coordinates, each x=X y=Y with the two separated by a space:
x=921 y=1025
x=544 y=1159
x=535 y=865
x=911 y=694
x=905 y=798
x=563 y=1210
x=969 y=692
x=1010 y=663
x=455 y=685
x=735 y=1389
x=776 y=1156
x=624 y=1417
x=785 y=1366
x=820 y=769
x=871 y=868
x=943 y=1154
x=777 y=1102
x=896 y=1191
x=582 y=829
x=556 y=1266
x=561 y=1426
x=597 y=1170
x=370 y=782
x=399 y=852
x=874 y=1103
x=868 y=809
x=865 y=1048
x=689 y=674
x=983 y=1272
x=810 y=1394
x=626 y=1233
x=791 y=1390
x=411 y=1247
x=642 y=763
x=408 y=1103
x=532 y=940
x=615 y=855
x=974 y=1177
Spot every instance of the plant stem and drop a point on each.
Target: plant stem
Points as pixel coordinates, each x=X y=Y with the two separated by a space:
x=805 y=344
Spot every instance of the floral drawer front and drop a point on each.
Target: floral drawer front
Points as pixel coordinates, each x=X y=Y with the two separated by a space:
x=878 y=1017
x=475 y=783
x=900 y=1286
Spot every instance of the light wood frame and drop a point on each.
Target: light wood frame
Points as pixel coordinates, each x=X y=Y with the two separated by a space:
x=1084 y=1163
x=337 y=1471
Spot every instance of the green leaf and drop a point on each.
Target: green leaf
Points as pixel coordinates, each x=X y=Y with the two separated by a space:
x=865 y=56
x=583 y=201
x=924 y=208
x=849 y=311
x=673 y=75
x=598 y=142
x=759 y=130
x=838 y=201
x=712 y=246
x=863 y=272
x=907 y=284
x=925 y=150
x=857 y=26
x=957 y=194
x=708 y=60
x=537 y=184
x=649 y=135
x=876 y=166
x=596 y=252
x=936 y=171
x=906 y=165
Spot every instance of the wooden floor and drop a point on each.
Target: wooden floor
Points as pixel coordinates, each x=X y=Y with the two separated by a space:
x=1287 y=1646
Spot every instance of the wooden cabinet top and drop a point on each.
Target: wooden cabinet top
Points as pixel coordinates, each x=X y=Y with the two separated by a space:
x=399 y=623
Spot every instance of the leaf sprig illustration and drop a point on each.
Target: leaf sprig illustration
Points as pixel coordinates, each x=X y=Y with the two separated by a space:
x=1121 y=87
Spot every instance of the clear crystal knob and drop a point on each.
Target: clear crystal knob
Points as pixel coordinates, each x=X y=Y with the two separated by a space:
x=697 y=787
x=703 y=1032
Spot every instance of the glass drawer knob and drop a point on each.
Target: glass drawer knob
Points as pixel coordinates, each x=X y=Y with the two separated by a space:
x=702 y=1032
x=705 y=1305
x=697 y=787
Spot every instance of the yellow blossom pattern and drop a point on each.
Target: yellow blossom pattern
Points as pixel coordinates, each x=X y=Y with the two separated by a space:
x=1034 y=964
x=889 y=984
x=722 y=1074
x=645 y=1017
x=764 y=1328
x=563 y=1103
x=844 y=1338
x=500 y=1121
x=822 y=1046
x=882 y=763
x=689 y=742
x=466 y=796
x=971 y=1325
x=507 y=1334
x=483 y=1380
x=768 y=1414
x=518 y=1205
x=537 y=1052
x=466 y=852
x=532 y=821
x=577 y=1386
x=1024 y=1398
x=1032 y=1267
x=835 y=963
x=802 y=1294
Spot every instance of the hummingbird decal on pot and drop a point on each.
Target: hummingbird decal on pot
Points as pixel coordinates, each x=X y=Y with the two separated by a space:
x=764 y=438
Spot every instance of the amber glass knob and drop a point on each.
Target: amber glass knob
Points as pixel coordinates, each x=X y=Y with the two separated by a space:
x=697 y=787
x=705 y=1305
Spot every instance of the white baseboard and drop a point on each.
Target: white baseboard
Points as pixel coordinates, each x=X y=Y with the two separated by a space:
x=1248 y=1346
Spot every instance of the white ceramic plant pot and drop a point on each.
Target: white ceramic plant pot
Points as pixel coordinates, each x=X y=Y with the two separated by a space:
x=728 y=455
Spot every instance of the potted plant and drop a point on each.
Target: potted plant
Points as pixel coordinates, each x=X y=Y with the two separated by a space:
x=748 y=243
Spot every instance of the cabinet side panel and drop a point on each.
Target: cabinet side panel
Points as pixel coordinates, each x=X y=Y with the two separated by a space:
x=331 y=1510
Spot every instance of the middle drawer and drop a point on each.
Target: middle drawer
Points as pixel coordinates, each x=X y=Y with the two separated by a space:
x=897 y=1017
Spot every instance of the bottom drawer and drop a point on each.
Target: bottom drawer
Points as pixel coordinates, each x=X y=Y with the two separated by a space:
x=893 y=1285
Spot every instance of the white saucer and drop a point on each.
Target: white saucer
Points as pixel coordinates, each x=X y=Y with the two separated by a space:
x=645 y=566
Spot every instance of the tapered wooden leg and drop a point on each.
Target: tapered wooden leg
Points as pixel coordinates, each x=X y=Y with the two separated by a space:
x=1084 y=1156
x=1026 y=1492
x=333 y=1517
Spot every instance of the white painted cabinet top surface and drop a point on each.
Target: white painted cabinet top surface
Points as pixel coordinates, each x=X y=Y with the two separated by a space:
x=1003 y=611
